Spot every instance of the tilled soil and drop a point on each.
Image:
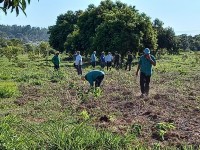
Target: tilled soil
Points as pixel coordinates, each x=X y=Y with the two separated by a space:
x=120 y=107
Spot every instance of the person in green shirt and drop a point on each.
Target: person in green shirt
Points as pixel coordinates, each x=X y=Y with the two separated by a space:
x=56 y=61
x=145 y=66
x=96 y=76
x=129 y=61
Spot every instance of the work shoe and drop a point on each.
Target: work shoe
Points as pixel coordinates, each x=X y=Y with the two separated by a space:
x=142 y=95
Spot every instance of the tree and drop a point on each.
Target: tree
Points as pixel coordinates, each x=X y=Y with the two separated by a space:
x=65 y=25
x=14 y=5
x=166 y=37
x=115 y=27
x=183 y=41
x=44 y=49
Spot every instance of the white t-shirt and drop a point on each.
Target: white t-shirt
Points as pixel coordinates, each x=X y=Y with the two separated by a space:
x=108 y=58
x=78 y=59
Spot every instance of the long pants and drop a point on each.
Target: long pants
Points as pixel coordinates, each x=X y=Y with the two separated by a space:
x=103 y=64
x=109 y=64
x=128 y=64
x=144 y=83
x=56 y=67
x=93 y=64
x=98 y=80
x=116 y=64
x=79 y=69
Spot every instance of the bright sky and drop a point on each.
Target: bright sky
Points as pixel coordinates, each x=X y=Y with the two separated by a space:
x=181 y=15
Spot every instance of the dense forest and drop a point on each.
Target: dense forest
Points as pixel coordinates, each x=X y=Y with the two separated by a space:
x=24 y=33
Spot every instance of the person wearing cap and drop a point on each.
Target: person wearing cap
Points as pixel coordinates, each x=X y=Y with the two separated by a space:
x=96 y=76
x=145 y=66
x=56 y=61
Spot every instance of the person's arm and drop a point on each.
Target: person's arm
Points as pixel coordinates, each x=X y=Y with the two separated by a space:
x=53 y=59
x=91 y=82
x=139 y=65
x=152 y=60
x=59 y=59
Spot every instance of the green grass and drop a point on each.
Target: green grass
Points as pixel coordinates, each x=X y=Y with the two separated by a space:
x=44 y=109
x=8 y=89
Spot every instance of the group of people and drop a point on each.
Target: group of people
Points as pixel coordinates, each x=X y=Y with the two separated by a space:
x=107 y=60
x=95 y=77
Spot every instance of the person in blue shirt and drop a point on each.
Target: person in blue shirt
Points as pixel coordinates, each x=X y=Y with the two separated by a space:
x=93 y=59
x=102 y=59
x=96 y=76
x=145 y=66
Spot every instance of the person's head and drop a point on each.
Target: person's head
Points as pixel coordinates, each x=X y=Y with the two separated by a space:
x=78 y=52
x=83 y=78
x=146 y=51
x=109 y=53
x=128 y=52
x=116 y=52
x=94 y=52
x=57 y=53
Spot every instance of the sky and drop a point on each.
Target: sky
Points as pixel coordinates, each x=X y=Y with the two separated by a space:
x=181 y=15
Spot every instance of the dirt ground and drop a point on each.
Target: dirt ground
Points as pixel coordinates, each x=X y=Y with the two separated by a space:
x=120 y=107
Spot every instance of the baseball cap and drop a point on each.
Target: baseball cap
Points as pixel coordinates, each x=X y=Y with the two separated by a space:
x=146 y=51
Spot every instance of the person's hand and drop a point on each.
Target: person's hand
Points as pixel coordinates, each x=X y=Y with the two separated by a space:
x=147 y=56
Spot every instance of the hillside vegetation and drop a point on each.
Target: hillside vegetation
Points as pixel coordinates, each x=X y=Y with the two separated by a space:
x=24 y=33
x=44 y=109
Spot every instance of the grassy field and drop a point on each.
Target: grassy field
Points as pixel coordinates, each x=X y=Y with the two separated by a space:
x=44 y=109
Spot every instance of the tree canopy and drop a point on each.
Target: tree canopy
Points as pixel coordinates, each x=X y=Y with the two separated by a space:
x=112 y=26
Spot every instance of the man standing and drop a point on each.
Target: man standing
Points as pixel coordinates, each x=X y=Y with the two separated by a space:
x=129 y=61
x=102 y=59
x=93 y=59
x=56 y=61
x=96 y=76
x=116 y=60
x=78 y=63
x=109 y=59
x=145 y=66
x=74 y=58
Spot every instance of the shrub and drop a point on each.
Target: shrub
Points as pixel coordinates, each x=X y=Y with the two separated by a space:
x=8 y=89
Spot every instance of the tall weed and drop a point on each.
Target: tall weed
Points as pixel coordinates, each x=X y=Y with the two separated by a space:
x=8 y=89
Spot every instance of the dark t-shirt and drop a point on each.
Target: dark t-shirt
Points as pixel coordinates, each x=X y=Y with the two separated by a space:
x=130 y=57
x=117 y=57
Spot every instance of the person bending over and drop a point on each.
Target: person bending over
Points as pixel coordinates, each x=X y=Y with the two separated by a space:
x=96 y=76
